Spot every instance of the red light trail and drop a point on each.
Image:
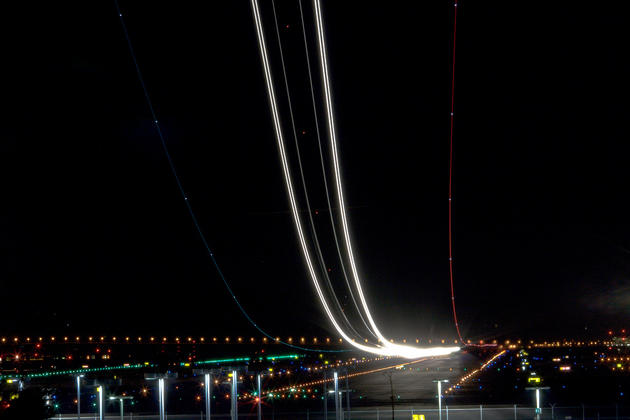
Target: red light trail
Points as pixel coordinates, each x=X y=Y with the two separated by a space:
x=450 y=179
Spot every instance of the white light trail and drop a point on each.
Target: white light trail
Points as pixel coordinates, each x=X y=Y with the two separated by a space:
x=339 y=187
x=317 y=248
x=388 y=349
x=287 y=177
x=333 y=140
x=321 y=159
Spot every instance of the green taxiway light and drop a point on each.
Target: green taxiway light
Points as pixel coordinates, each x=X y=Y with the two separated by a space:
x=146 y=364
x=208 y=362
x=284 y=356
x=244 y=359
x=79 y=371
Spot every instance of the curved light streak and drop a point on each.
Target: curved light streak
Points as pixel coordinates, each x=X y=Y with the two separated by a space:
x=321 y=159
x=339 y=187
x=289 y=184
x=189 y=207
x=317 y=248
x=388 y=349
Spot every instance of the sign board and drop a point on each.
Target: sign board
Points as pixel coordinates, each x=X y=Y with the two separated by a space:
x=417 y=417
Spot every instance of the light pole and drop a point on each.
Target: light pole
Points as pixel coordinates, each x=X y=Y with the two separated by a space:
x=121 y=399
x=208 y=392
x=439 y=387
x=537 y=390
x=234 y=394
x=348 y=393
x=101 y=406
x=259 y=397
x=161 y=399
x=337 y=402
x=160 y=377
x=79 y=397
x=325 y=398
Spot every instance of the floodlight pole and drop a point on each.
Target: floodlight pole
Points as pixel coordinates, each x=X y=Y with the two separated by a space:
x=234 y=395
x=440 y=399
x=161 y=399
x=259 y=408
x=101 y=391
x=208 y=392
x=337 y=402
x=161 y=381
x=78 y=398
x=348 y=394
x=439 y=396
x=325 y=398
x=537 y=390
x=121 y=400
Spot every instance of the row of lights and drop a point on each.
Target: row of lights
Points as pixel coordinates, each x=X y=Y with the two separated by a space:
x=303 y=340
x=352 y=375
x=80 y=371
x=573 y=343
x=614 y=359
x=616 y=362
x=475 y=372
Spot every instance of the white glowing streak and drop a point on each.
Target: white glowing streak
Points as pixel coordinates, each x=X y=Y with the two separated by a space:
x=333 y=140
x=344 y=223
x=390 y=350
x=287 y=178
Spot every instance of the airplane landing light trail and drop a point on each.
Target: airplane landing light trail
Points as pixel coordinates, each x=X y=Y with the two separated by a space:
x=384 y=347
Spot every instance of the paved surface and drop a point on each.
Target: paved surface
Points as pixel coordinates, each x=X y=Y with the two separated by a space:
x=413 y=383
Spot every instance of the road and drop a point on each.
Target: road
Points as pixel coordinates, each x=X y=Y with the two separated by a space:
x=412 y=383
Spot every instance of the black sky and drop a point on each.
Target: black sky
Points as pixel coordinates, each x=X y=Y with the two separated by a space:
x=98 y=238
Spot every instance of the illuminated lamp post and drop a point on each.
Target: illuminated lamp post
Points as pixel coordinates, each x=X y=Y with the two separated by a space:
x=160 y=377
x=101 y=403
x=79 y=397
x=234 y=394
x=208 y=393
x=537 y=390
x=161 y=399
x=439 y=396
x=337 y=399
x=121 y=399
x=259 y=408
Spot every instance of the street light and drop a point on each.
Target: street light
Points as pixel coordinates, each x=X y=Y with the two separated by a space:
x=234 y=394
x=160 y=377
x=161 y=399
x=259 y=397
x=537 y=389
x=208 y=393
x=337 y=402
x=79 y=397
x=121 y=398
x=101 y=391
x=439 y=387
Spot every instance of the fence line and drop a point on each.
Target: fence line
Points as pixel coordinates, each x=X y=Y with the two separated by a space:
x=481 y=412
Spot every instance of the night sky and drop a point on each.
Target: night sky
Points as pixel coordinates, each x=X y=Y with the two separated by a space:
x=98 y=238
